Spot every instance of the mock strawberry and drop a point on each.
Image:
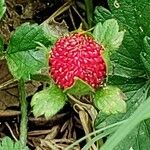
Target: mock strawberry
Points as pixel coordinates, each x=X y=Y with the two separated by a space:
x=77 y=55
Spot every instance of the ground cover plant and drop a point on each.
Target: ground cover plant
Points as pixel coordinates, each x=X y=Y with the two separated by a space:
x=74 y=75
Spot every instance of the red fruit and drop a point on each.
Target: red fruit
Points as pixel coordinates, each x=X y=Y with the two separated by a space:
x=77 y=55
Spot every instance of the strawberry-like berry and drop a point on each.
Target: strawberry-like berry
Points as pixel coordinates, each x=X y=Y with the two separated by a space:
x=77 y=55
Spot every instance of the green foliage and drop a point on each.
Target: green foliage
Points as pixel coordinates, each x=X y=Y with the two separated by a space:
x=110 y=100
x=48 y=101
x=130 y=71
x=145 y=55
x=127 y=59
x=138 y=139
x=8 y=144
x=79 y=88
x=108 y=34
x=124 y=129
x=104 y=120
x=142 y=113
x=23 y=58
x=2 y=8
x=135 y=89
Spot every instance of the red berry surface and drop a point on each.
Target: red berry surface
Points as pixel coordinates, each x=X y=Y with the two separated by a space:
x=77 y=55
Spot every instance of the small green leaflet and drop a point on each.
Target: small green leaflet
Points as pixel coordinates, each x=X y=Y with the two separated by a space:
x=2 y=8
x=23 y=58
x=79 y=88
x=8 y=144
x=110 y=100
x=108 y=34
x=48 y=101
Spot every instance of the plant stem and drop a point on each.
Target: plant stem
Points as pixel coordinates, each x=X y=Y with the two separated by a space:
x=24 y=117
x=89 y=11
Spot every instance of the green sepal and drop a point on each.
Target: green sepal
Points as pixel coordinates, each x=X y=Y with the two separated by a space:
x=110 y=100
x=48 y=101
x=106 y=58
x=79 y=87
x=108 y=34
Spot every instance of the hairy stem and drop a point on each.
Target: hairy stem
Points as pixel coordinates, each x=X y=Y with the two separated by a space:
x=24 y=117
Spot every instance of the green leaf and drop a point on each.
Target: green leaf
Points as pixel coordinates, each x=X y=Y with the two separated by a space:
x=145 y=55
x=142 y=113
x=48 y=101
x=79 y=88
x=138 y=139
x=108 y=34
x=129 y=72
x=8 y=144
x=103 y=120
x=101 y=14
x=110 y=100
x=136 y=89
x=22 y=56
x=133 y=17
x=2 y=8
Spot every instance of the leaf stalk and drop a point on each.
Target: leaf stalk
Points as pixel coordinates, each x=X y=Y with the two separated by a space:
x=24 y=117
